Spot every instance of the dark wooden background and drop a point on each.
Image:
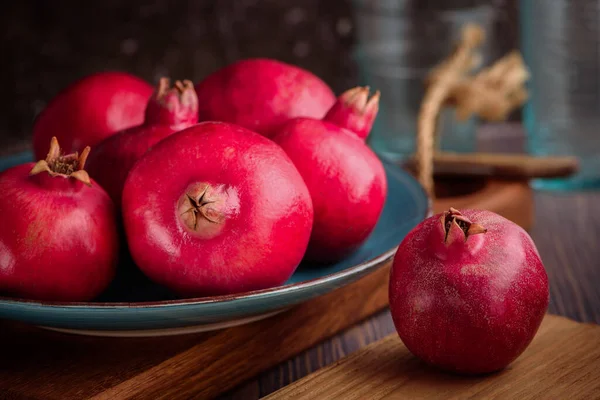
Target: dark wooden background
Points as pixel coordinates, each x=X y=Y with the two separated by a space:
x=45 y=45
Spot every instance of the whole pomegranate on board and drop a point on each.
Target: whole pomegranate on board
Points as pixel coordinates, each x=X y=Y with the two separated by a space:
x=468 y=291
x=89 y=110
x=58 y=237
x=216 y=209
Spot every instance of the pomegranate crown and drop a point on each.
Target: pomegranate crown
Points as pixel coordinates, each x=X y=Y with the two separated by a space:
x=358 y=100
x=68 y=166
x=173 y=105
x=455 y=223
x=354 y=111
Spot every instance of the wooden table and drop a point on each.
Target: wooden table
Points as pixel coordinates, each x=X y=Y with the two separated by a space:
x=567 y=234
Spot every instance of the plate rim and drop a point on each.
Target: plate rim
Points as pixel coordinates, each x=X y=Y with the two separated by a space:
x=291 y=287
x=376 y=261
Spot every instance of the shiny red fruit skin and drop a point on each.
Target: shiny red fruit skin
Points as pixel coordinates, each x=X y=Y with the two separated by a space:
x=265 y=234
x=58 y=237
x=110 y=161
x=471 y=308
x=261 y=94
x=346 y=180
x=90 y=110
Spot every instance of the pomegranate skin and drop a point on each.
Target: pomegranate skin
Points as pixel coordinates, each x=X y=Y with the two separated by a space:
x=169 y=110
x=469 y=306
x=90 y=110
x=216 y=209
x=261 y=94
x=346 y=181
x=58 y=238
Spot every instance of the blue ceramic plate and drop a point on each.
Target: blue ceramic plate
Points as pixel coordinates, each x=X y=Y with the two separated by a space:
x=134 y=306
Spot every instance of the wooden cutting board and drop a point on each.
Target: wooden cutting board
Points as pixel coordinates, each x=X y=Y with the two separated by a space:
x=562 y=362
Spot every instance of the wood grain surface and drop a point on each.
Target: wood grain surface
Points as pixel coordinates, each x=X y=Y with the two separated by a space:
x=38 y=364
x=562 y=362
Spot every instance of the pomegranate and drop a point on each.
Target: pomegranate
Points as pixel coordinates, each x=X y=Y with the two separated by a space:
x=261 y=94
x=468 y=291
x=354 y=111
x=216 y=209
x=89 y=110
x=58 y=237
x=346 y=181
x=169 y=110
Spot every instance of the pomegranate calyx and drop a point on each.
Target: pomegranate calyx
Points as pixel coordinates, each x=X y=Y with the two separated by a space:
x=58 y=164
x=358 y=99
x=173 y=105
x=196 y=207
x=184 y=90
x=454 y=219
x=354 y=111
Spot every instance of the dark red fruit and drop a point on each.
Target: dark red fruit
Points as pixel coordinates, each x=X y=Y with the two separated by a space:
x=346 y=181
x=90 y=110
x=58 y=237
x=261 y=94
x=216 y=209
x=468 y=291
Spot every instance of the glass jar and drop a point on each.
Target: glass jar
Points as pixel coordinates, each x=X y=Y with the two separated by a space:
x=560 y=40
x=399 y=41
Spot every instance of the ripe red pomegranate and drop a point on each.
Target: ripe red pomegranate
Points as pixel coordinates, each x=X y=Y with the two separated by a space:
x=216 y=209
x=354 y=111
x=58 y=237
x=468 y=291
x=169 y=110
x=261 y=94
x=89 y=110
x=346 y=181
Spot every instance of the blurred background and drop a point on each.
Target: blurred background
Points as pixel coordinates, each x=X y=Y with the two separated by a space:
x=48 y=44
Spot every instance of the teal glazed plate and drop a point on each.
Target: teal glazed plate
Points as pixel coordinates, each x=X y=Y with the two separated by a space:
x=135 y=306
